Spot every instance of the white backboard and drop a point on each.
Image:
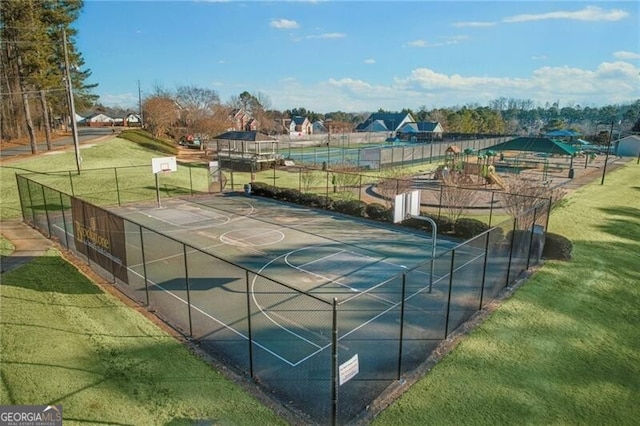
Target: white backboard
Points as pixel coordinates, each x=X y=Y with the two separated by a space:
x=164 y=164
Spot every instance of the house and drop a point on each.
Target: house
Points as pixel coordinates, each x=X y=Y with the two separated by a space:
x=628 y=146
x=97 y=120
x=388 y=122
x=421 y=131
x=298 y=126
x=319 y=127
x=242 y=121
x=132 y=120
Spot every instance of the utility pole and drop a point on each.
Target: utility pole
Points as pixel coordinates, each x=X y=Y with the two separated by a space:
x=140 y=105
x=72 y=108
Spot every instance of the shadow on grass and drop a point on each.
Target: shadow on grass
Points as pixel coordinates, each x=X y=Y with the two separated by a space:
x=623 y=222
x=50 y=274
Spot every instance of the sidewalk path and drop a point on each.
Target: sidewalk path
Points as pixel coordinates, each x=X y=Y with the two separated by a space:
x=28 y=243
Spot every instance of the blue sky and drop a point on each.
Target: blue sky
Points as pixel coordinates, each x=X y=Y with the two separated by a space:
x=359 y=56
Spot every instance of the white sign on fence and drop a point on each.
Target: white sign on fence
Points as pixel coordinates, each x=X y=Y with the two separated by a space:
x=349 y=369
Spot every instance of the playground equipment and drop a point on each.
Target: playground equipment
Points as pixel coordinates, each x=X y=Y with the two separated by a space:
x=460 y=170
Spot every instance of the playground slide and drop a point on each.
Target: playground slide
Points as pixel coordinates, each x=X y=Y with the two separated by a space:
x=493 y=178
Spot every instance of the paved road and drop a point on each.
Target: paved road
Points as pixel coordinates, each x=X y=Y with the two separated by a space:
x=85 y=134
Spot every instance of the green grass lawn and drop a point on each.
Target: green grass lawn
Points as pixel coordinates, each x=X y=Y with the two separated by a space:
x=65 y=341
x=565 y=349
x=98 y=185
x=6 y=246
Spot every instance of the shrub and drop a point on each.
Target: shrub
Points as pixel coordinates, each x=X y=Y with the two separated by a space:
x=290 y=195
x=351 y=207
x=467 y=228
x=377 y=211
x=315 y=201
x=557 y=247
x=445 y=225
x=260 y=188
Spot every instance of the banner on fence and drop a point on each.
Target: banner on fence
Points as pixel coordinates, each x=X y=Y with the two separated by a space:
x=99 y=235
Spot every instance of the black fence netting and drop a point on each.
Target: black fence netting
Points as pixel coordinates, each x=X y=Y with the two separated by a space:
x=328 y=351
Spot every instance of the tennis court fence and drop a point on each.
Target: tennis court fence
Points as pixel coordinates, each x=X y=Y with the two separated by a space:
x=209 y=299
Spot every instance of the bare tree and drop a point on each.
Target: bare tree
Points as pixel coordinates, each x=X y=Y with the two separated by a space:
x=197 y=106
x=394 y=182
x=309 y=178
x=456 y=198
x=523 y=195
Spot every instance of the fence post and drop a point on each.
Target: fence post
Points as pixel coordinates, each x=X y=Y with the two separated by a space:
x=484 y=268
x=144 y=265
x=115 y=173
x=513 y=236
x=326 y=194
x=404 y=283
x=533 y=227
x=440 y=203
x=33 y=211
x=71 y=184
x=334 y=364
x=191 y=181
x=491 y=208
x=446 y=325
x=64 y=222
x=248 y=292
x=360 y=189
x=186 y=276
x=46 y=211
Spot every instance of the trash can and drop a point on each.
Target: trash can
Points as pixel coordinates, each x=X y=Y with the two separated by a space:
x=247 y=189
x=571 y=173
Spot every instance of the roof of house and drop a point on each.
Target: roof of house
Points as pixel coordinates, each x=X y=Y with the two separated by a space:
x=298 y=120
x=533 y=144
x=420 y=126
x=244 y=136
x=389 y=120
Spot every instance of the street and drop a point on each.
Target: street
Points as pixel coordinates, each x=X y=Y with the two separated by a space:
x=85 y=134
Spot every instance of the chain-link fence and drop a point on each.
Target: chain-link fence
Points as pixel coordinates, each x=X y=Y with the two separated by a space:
x=326 y=357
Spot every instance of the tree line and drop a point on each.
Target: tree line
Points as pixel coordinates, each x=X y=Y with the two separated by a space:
x=33 y=64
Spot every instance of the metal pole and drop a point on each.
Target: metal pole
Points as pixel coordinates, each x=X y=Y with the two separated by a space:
x=64 y=221
x=249 y=324
x=334 y=364
x=46 y=211
x=401 y=337
x=434 y=229
x=446 y=325
x=144 y=265
x=606 y=157
x=186 y=278
x=157 y=190
x=74 y=128
x=115 y=173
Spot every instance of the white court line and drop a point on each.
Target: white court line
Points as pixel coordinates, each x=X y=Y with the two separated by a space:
x=217 y=320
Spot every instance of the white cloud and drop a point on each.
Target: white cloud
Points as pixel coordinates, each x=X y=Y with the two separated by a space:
x=539 y=58
x=370 y=61
x=474 y=24
x=626 y=55
x=589 y=13
x=328 y=35
x=283 y=24
x=446 y=42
